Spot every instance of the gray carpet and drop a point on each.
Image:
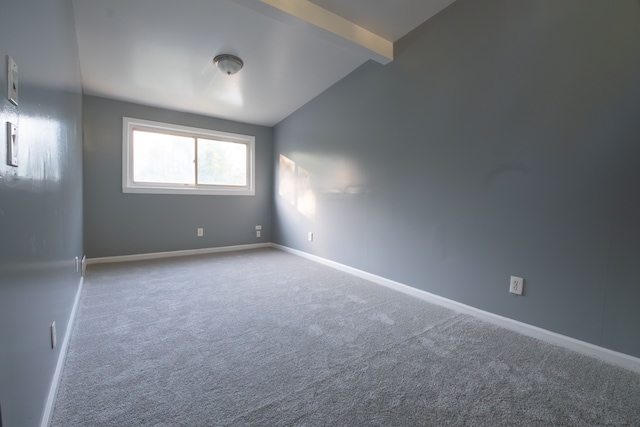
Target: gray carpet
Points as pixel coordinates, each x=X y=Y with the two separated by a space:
x=265 y=338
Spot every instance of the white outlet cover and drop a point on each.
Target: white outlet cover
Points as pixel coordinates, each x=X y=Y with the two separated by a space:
x=310 y=236
x=516 y=285
x=200 y=232
x=12 y=80
x=258 y=227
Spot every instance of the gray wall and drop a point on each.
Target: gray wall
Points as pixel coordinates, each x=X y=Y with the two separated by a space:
x=40 y=201
x=503 y=140
x=118 y=223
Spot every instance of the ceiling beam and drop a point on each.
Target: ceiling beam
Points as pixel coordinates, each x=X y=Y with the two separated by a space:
x=337 y=25
x=327 y=25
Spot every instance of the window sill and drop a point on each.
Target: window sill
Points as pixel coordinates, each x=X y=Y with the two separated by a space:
x=191 y=191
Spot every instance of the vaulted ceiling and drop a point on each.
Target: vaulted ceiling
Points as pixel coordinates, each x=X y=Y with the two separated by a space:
x=160 y=52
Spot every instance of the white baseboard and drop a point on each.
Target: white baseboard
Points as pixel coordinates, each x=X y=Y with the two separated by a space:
x=610 y=356
x=55 y=382
x=154 y=255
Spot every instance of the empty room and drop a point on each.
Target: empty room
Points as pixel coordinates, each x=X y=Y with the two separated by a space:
x=316 y=212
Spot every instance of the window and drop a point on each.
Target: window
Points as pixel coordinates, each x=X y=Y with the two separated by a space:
x=172 y=159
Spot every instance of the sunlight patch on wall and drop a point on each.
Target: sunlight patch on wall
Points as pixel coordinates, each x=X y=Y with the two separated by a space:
x=341 y=177
x=295 y=187
x=306 y=196
x=321 y=175
x=287 y=179
x=39 y=149
x=334 y=175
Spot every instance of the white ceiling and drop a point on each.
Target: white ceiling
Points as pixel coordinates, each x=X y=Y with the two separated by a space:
x=159 y=52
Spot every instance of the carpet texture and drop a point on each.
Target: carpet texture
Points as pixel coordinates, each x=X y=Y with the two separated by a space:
x=265 y=338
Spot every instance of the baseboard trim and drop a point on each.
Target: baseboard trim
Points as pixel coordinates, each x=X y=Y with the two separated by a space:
x=57 y=376
x=610 y=356
x=171 y=254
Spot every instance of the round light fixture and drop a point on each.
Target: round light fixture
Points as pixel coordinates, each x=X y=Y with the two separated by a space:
x=228 y=64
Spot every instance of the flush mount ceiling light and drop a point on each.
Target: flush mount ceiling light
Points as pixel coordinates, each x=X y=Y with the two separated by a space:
x=228 y=64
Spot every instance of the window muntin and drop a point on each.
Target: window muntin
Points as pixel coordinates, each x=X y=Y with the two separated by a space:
x=173 y=159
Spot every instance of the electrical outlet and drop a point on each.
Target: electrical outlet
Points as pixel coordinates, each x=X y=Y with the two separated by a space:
x=258 y=227
x=12 y=80
x=258 y=233
x=53 y=335
x=310 y=236
x=516 y=285
x=12 y=144
x=200 y=232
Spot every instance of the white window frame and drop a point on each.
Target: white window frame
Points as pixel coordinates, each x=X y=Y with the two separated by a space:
x=129 y=186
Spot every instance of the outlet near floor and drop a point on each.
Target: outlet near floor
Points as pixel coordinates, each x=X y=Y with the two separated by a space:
x=54 y=339
x=516 y=285
x=200 y=232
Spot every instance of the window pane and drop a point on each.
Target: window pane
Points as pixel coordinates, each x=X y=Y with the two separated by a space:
x=163 y=158
x=222 y=163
